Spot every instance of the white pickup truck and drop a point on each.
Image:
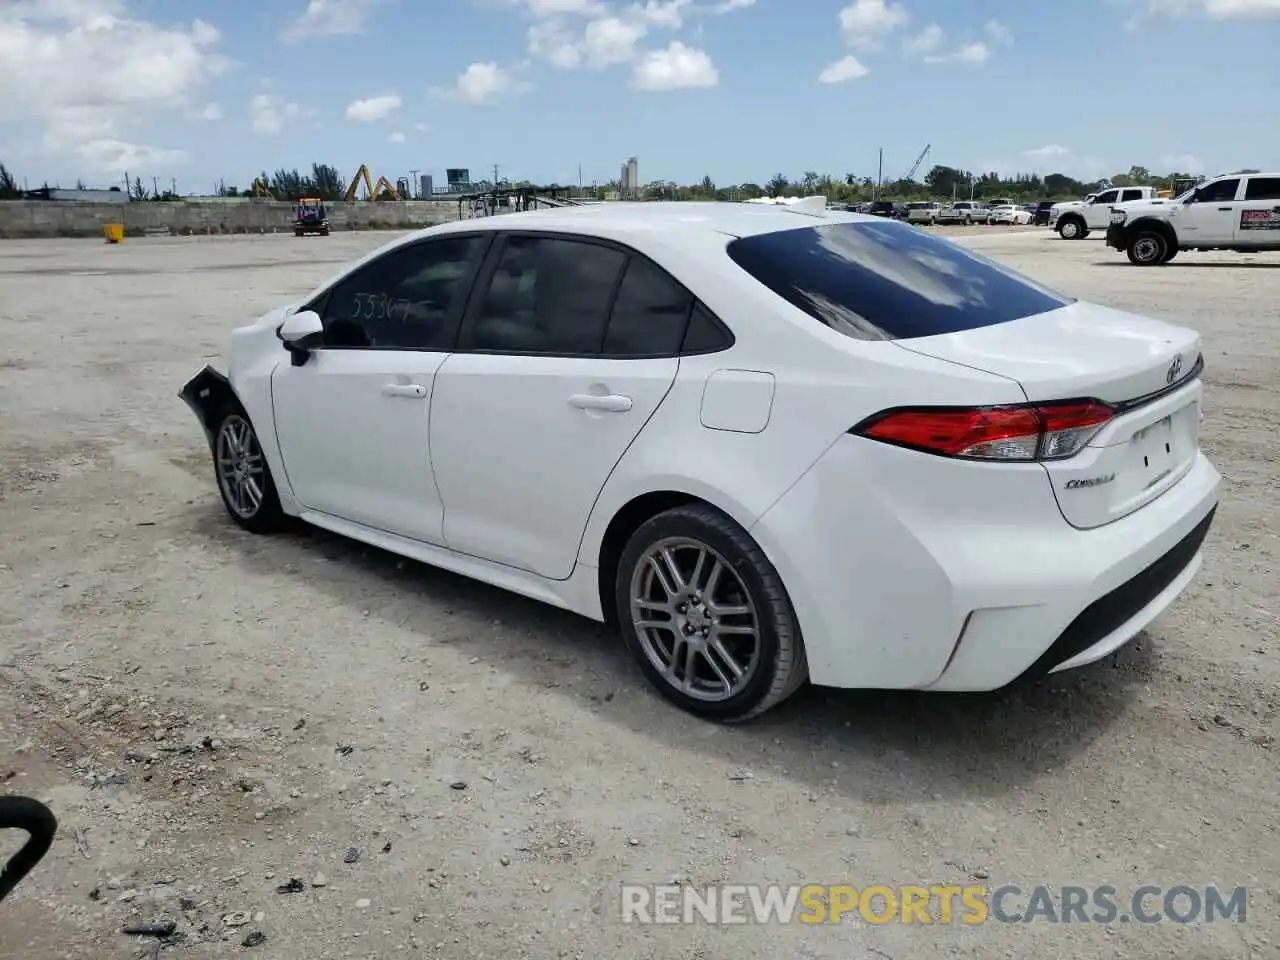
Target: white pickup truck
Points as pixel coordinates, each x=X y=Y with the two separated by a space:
x=1239 y=212
x=963 y=211
x=1075 y=219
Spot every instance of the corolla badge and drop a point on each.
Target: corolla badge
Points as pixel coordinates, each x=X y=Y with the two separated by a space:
x=1175 y=368
x=1089 y=482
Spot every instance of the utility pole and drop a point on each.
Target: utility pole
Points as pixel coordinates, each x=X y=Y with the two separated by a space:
x=495 y=176
x=879 y=176
x=413 y=184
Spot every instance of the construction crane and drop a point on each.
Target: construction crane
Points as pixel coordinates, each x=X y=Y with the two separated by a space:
x=259 y=189
x=379 y=191
x=919 y=160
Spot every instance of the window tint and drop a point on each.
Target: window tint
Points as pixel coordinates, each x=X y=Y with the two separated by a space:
x=704 y=335
x=888 y=281
x=547 y=296
x=649 y=314
x=1220 y=192
x=1130 y=195
x=1107 y=197
x=1262 y=188
x=403 y=300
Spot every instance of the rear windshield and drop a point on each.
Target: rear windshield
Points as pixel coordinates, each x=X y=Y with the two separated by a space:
x=888 y=281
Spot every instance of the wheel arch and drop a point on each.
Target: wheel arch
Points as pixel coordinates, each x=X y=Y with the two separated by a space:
x=605 y=549
x=210 y=394
x=1156 y=224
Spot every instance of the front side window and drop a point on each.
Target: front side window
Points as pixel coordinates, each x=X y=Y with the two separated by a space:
x=1108 y=197
x=1222 y=191
x=888 y=281
x=407 y=299
x=547 y=295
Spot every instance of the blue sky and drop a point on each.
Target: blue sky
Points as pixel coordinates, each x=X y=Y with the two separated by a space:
x=201 y=91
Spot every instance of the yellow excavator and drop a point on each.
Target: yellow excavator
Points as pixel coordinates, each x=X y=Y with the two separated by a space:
x=382 y=190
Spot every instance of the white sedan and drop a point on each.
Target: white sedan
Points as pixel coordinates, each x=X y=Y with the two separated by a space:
x=770 y=443
x=1008 y=213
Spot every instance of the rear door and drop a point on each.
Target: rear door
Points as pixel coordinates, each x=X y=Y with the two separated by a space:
x=568 y=347
x=1258 y=222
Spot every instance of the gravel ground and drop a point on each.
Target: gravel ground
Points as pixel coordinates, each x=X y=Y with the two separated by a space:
x=212 y=714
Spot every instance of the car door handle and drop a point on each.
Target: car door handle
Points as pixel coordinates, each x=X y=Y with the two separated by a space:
x=612 y=402
x=1228 y=209
x=414 y=391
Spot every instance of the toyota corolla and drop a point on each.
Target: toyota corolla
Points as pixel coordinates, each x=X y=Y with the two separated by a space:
x=770 y=443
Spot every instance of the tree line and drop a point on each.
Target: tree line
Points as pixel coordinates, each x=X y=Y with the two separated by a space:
x=940 y=182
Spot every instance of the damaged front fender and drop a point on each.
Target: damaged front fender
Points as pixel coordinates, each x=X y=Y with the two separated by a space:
x=210 y=396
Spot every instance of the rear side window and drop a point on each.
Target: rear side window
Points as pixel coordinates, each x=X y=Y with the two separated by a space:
x=1262 y=188
x=649 y=313
x=888 y=281
x=1130 y=195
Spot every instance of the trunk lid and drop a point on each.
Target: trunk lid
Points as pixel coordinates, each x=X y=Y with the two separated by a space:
x=1146 y=369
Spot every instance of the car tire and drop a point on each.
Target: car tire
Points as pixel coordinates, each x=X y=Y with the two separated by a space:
x=1072 y=228
x=687 y=574
x=243 y=475
x=1147 y=248
x=1172 y=252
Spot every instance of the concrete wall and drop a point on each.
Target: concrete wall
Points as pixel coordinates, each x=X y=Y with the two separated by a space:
x=46 y=218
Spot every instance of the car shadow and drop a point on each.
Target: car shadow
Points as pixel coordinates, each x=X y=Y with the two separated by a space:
x=902 y=747
x=1181 y=264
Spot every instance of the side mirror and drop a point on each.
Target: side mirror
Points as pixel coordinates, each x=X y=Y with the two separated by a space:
x=301 y=333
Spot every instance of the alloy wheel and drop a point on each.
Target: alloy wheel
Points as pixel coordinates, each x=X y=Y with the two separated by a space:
x=695 y=620
x=241 y=469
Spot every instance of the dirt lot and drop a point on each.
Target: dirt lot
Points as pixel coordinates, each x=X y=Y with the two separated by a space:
x=212 y=714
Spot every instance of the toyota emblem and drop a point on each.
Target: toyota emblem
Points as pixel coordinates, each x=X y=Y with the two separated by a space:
x=1175 y=368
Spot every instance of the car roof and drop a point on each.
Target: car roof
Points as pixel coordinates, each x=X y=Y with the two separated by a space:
x=731 y=219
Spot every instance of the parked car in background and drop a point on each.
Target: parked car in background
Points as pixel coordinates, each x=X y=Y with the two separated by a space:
x=1008 y=213
x=963 y=211
x=1075 y=219
x=923 y=211
x=1041 y=216
x=882 y=208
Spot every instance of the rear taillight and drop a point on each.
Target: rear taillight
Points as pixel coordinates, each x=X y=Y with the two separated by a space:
x=1019 y=434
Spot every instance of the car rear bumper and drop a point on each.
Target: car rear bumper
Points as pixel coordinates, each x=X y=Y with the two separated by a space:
x=915 y=572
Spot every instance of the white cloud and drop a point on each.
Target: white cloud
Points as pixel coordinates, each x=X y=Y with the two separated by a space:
x=663 y=13
x=926 y=41
x=327 y=18
x=1047 y=152
x=970 y=53
x=843 y=70
x=998 y=32
x=1216 y=9
x=555 y=43
x=88 y=73
x=865 y=23
x=482 y=83
x=267 y=113
x=728 y=6
x=1182 y=163
x=421 y=127
x=612 y=41
x=396 y=137
x=676 y=68
x=374 y=108
x=557 y=8
x=212 y=111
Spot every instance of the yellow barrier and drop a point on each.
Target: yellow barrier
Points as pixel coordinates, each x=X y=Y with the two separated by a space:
x=114 y=232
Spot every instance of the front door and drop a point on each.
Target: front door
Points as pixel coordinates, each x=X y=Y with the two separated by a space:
x=1258 y=217
x=354 y=420
x=559 y=366
x=1097 y=213
x=1210 y=215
